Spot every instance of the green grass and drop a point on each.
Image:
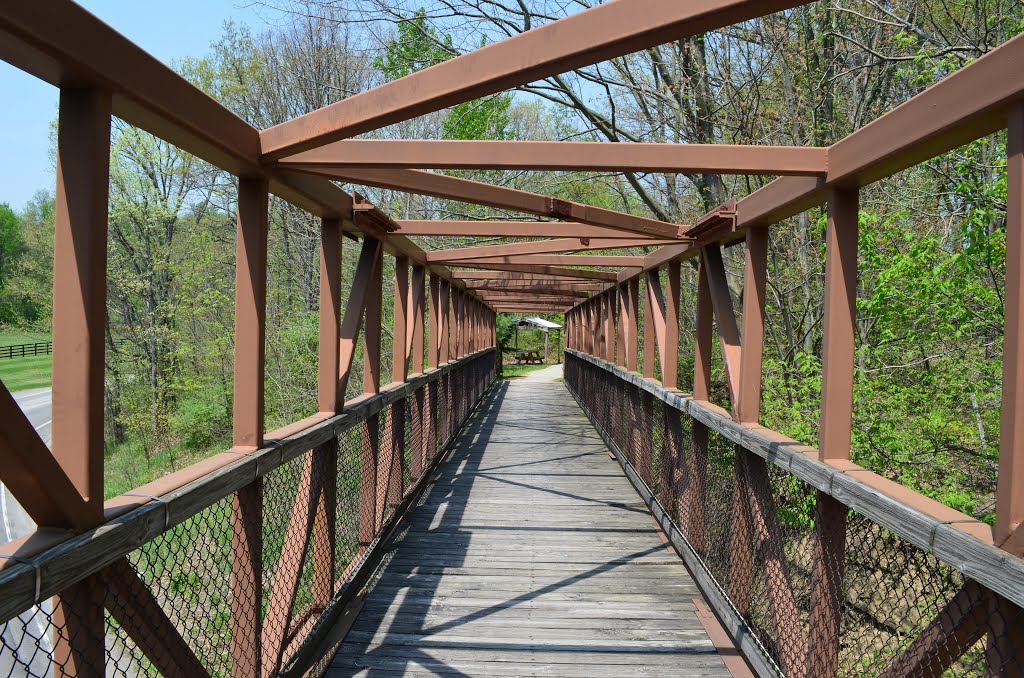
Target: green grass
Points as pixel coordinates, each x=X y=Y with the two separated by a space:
x=512 y=371
x=19 y=374
x=9 y=336
x=126 y=467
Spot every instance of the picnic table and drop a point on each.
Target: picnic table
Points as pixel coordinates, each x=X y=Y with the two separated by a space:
x=527 y=357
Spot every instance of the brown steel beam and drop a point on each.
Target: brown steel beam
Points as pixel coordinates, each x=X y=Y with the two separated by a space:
x=33 y=475
x=582 y=156
x=725 y=318
x=63 y=44
x=250 y=312
x=512 y=229
x=401 y=322
x=369 y=257
x=372 y=326
x=417 y=302
x=965 y=105
x=578 y=273
x=549 y=283
x=540 y=247
x=328 y=395
x=1010 y=490
x=79 y=292
x=588 y=37
x=553 y=260
x=755 y=274
x=670 y=350
x=503 y=274
x=487 y=292
x=973 y=102
x=147 y=94
x=479 y=193
x=132 y=605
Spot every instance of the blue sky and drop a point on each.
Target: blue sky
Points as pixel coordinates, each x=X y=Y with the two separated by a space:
x=168 y=29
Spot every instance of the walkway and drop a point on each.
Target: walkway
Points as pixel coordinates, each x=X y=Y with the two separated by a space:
x=530 y=555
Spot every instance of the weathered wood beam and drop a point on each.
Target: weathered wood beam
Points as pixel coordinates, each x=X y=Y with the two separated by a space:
x=479 y=193
x=582 y=156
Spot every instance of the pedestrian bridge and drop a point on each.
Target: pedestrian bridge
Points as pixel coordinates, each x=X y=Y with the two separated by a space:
x=445 y=521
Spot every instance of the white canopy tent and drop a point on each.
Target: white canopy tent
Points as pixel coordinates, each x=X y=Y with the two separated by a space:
x=545 y=326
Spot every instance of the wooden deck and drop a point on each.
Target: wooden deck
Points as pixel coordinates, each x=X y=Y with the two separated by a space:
x=531 y=554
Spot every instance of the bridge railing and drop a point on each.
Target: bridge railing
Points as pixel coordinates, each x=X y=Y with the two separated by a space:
x=917 y=593
x=243 y=570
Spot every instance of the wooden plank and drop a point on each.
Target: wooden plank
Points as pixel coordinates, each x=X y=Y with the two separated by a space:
x=583 y=571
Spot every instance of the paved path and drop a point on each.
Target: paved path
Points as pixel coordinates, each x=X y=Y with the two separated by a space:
x=531 y=554
x=14 y=523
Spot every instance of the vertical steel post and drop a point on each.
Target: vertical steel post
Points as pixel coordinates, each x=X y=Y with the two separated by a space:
x=694 y=498
x=80 y=289
x=838 y=334
x=434 y=328
x=649 y=333
x=621 y=295
x=755 y=270
x=632 y=324
x=445 y=319
x=329 y=395
x=1005 y=650
x=79 y=317
x=247 y=510
x=374 y=481
x=331 y=400
x=401 y=321
x=609 y=326
x=670 y=350
x=417 y=294
x=1010 y=492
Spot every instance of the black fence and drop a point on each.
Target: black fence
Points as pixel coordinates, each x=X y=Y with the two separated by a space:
x=26 y=350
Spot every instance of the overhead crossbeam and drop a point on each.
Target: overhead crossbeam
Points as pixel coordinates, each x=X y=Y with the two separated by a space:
x=540 y=247
x=550 y=260
x=479 y=193
x=502 y=274
x=581 y=156
x=588 y=37
x=559 y=271
x=512 y=229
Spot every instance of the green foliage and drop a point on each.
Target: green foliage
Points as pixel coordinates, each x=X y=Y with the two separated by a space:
x=417 y=46
x=11 y=241
x=505 y=329
x=201 y=420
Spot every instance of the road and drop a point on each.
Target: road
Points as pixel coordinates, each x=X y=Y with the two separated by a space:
x=14 y=522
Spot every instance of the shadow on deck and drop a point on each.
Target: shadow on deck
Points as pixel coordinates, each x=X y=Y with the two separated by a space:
x=532 y=554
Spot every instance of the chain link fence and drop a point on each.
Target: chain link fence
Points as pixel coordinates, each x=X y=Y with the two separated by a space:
x=238 y=587
x=780 y=551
